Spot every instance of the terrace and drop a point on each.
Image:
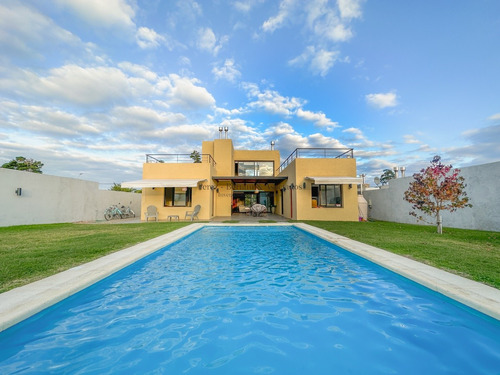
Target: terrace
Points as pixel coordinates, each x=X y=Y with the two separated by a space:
x=317 y=153
x=178 y=158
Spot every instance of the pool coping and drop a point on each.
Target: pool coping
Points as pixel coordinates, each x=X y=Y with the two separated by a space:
x=20 y=303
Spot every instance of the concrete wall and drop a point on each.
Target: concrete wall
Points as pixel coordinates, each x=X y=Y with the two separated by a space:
x=483 y=190
x=50 y=199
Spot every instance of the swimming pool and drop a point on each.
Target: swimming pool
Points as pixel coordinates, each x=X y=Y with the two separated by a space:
x=254 y=300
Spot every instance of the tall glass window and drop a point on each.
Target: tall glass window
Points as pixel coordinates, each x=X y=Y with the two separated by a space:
x=326 y=195
x=254 y=168
x=177 y=197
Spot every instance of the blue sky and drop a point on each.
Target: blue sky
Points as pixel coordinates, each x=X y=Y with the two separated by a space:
x=89 y=87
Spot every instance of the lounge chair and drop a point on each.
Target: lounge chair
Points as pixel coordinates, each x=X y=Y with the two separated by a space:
x=244 y=210
x=151 y=211
x=193 y=214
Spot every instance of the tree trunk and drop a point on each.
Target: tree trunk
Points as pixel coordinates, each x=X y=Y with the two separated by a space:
x=439 y=223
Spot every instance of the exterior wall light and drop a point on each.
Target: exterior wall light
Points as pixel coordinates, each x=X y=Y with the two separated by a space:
x=19 y=191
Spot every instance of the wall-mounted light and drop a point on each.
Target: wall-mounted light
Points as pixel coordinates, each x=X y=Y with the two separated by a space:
x=217 y=190
x=304 y=185
x=350 y=186
x=19 y=191
x=153 y=188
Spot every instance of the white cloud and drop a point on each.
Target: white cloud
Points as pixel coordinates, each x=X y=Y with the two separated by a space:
x=410 y=139
x=186 y=94
x=26 y=32
x=228 y=71
x=208 y=41
x=103 y=14
x=494 y=117
x=271 y=101
x=318 y=118
x=276 y=22
x=349 y=8
x=148 y=38
x=382 y=100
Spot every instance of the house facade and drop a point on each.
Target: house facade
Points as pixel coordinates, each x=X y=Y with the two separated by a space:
x=311 y=184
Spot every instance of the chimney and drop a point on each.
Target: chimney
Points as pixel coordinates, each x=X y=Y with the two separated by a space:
x=402 y=170
x=395 y=169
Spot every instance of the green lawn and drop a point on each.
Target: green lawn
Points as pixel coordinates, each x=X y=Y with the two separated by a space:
x=470 y=253
x=29 y=253
x=32 y=252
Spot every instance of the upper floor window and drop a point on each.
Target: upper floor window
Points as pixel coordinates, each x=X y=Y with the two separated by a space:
x=177 y=197
x=326 y=195
x=254 y=168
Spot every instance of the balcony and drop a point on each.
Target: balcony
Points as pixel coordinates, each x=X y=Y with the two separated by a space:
x=317 y=153
x=178 y=158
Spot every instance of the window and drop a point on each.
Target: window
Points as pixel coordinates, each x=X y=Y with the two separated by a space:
x=177 y=197
x=326 y=195
x=254 y=168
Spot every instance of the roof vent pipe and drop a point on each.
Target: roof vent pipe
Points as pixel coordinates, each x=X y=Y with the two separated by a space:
x=226 y=129
x=402 y=170
x=395 y=169
x=272 y=145
x=220 y=132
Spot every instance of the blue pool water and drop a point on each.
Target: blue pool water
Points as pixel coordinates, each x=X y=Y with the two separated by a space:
x=253 y=300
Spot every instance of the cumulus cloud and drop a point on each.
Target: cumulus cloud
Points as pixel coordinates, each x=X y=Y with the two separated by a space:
x=271 y=101
x=227 y=71
x=102 y=14
x=349 y=8
x=207 y=41
x=318 y=118
x=186 y=94
x=382 y=100
x=286 y=9
x=148 y=38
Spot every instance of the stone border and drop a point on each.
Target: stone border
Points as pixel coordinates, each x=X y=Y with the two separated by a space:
x=20 y=303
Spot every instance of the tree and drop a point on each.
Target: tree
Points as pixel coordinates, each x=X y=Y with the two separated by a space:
x=118 y=187
x=437 y=188
x=20 y=163
x=195 y=155
x=386 y=176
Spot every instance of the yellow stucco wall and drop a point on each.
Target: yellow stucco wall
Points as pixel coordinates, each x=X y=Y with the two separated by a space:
x=155 y=197
x=302 y=208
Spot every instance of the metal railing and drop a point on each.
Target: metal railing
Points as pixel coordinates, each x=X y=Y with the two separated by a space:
x=317 y=153
x=178 y=158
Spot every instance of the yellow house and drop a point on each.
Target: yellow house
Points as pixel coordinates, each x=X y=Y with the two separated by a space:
x=311 y=184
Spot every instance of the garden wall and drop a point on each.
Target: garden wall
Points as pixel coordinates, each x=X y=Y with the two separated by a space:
x=483 y=188
x=48 y=199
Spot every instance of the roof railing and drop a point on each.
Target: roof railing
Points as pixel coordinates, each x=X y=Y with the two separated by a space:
x=317 y=153
x=179 y=158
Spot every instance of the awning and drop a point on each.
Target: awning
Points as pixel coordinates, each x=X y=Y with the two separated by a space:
x=153 y=183
x=336 y=180
x=251 y=179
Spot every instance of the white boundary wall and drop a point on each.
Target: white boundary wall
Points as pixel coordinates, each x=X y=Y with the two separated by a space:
x=483 y=190
x=50 y=199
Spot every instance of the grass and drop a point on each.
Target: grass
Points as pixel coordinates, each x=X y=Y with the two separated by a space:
x=469 y=253
x=32 y=252
x=29 y=253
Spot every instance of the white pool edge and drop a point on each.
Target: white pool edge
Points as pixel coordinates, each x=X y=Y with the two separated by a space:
x=20 y=303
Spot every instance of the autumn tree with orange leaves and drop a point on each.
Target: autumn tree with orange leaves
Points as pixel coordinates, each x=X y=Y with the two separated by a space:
x=437 y=188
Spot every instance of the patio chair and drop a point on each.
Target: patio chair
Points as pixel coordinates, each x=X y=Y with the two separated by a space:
x=151 y=211
x=244 y=210
x=193 y=214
